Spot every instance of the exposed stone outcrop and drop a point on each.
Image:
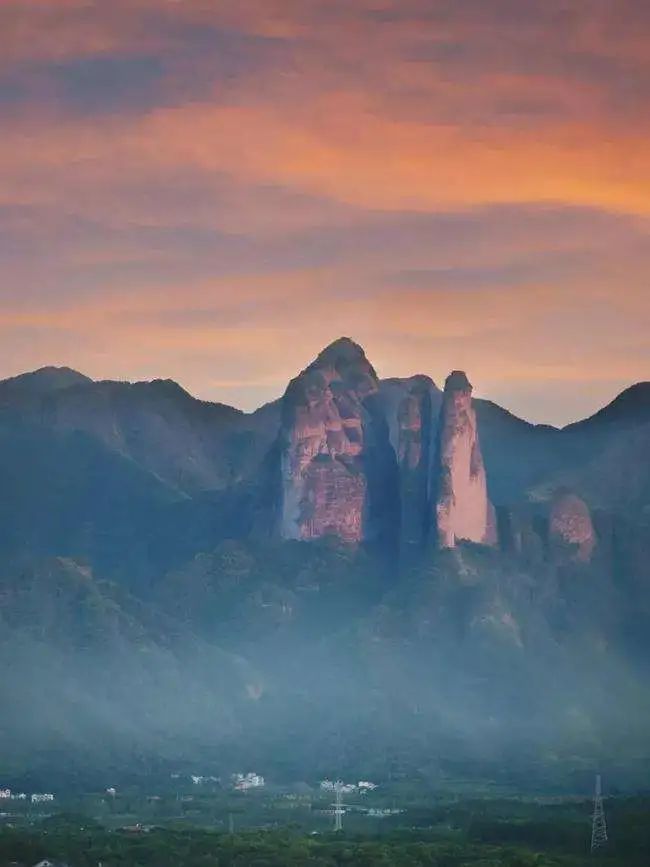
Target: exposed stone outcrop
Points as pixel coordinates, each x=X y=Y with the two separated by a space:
x=411 y=407
x=462 y=508
x=571 y=526
x=338 y=469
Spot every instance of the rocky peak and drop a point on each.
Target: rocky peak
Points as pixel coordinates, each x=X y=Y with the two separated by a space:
x=341 y=352
x=462 y=508
x=343 y=366
x=458 y=381
x=336 y=458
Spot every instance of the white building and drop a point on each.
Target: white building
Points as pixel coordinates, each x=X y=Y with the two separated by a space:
x=344 y=788
x=243 y=782
x=41 y=797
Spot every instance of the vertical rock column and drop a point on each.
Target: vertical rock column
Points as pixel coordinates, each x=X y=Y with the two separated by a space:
x=462 y=508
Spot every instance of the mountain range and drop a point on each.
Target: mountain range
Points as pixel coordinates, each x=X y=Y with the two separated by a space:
x=358 y=559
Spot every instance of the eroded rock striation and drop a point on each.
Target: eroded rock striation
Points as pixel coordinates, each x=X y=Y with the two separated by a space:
x=337 y=466
x=411 y=407
x=462 y=508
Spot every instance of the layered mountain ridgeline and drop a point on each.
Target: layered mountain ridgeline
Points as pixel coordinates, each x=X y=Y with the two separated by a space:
x=188 y=444
x=361 y=557
x=342 y=454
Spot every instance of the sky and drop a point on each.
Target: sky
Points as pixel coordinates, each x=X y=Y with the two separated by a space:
x=213 y=191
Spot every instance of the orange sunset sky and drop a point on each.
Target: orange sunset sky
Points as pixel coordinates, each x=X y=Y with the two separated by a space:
x=212 y=191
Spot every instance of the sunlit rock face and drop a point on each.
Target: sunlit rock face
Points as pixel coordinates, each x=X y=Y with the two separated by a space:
x=571 y=526
x=462 y=508
x=338 y=469
x=411 y=407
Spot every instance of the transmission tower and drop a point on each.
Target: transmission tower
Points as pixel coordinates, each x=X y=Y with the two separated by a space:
x=598 y=825
x=338 y=806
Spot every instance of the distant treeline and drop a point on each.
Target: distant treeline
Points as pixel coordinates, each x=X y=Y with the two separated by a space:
x=488 y=842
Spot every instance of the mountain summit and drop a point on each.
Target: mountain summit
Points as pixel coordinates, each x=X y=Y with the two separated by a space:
x=342 y=351
x=337 y=465
x=43 y=380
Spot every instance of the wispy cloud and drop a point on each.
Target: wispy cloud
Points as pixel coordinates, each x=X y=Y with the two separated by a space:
x=212 y=191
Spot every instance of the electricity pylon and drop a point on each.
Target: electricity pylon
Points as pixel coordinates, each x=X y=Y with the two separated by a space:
x=338 y=806
x=598 y=824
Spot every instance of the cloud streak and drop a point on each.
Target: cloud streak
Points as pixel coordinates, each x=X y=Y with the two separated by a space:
x=219 y=189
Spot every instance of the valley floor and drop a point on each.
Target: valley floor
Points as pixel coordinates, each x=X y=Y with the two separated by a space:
x=291 y=829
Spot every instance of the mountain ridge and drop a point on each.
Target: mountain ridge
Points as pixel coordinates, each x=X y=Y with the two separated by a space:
x=146 y=513
x=641 y=388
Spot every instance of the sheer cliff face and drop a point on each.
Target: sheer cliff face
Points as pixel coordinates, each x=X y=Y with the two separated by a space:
x=359 y=461
x=411 y=407
x=337 y=466
x=462 y=508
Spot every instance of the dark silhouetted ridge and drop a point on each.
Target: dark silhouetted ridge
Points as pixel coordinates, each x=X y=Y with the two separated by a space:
x=631 y=406
x=43 y=380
